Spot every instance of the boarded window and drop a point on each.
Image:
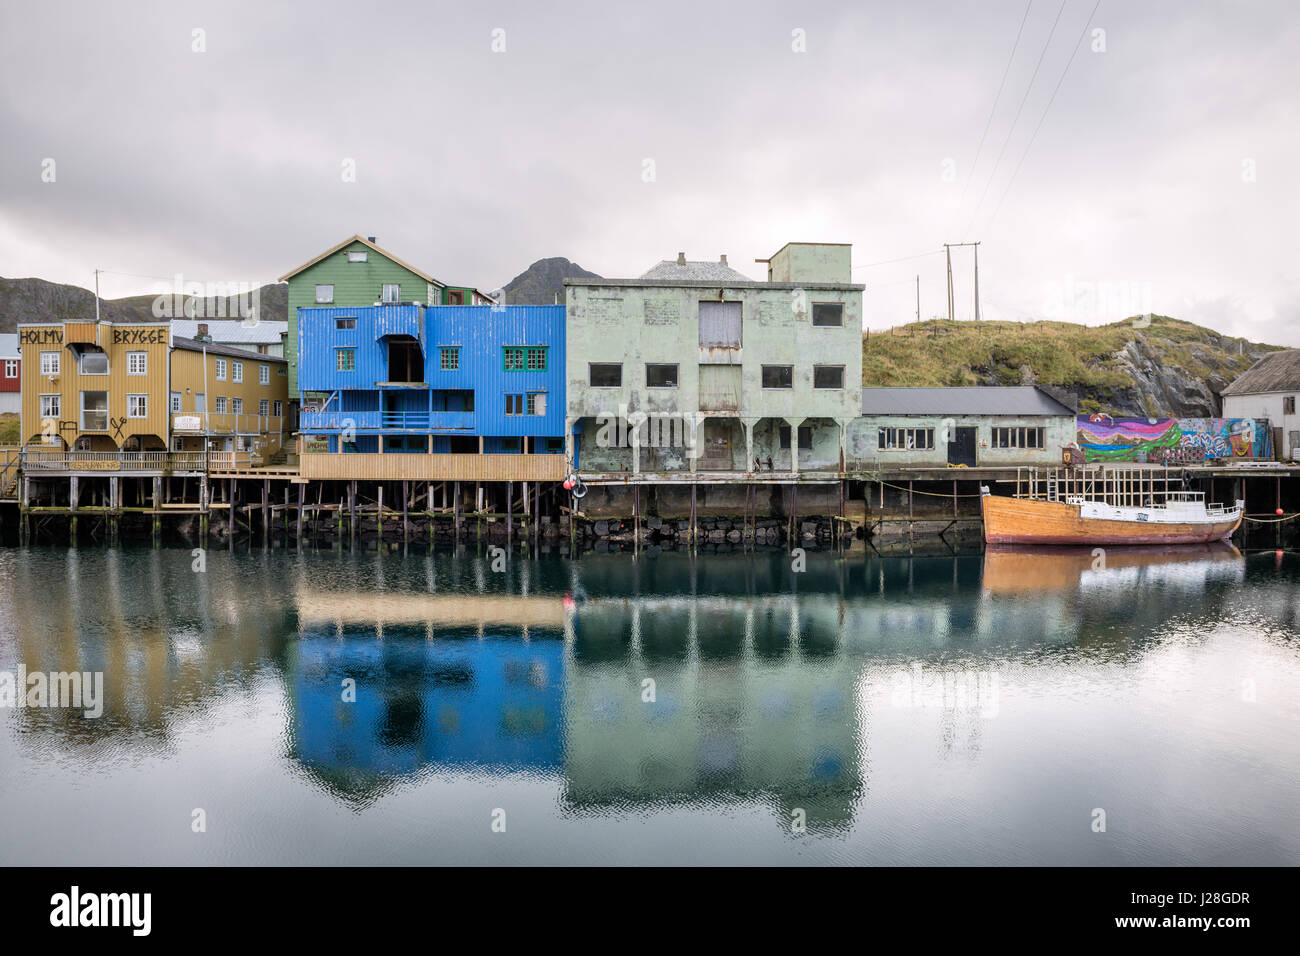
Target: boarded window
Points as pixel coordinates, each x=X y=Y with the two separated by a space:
x=828 y=315
x=605 y=374
x=778 y=376
x=720 y=325
x=805 y=437
x=828 y=376
x=660 y=376
x=720 y=387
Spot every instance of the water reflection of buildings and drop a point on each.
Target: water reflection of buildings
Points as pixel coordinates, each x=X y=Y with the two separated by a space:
x=766 y=682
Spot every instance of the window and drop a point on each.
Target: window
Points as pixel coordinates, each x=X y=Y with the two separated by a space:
x=357 y=256
x=237 y=406
x=137 y=363
x=605 y=374
x=660 y=376
x=137 y=406
x=828 y=376
x=94 y=363
x=236 y=371
x=720 y=324
x=1019 y=437
x=456 y=297
x=324 y=293
x=345 y=360
x=11 y=368
x=175 y=403
x=828 y=315
x=282 y=371
x=221 y=405
x=51 y=406
x=221 y=370
x=449 y=359
x=778 y=376
x=344 y=325
x=1288 y=405
x=94 y=411
x=536 y=403
x=277 y=409
x=49 y=363
x=264 y=375
x=518 y=358
x=805 y=437
x=264 y=406
x=392 y=293
x=905 y=439
x=514 y=404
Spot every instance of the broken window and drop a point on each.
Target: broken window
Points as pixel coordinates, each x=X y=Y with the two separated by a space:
x=805 y=437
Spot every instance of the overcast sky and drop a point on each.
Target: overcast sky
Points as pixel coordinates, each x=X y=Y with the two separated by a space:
x=1162 y=176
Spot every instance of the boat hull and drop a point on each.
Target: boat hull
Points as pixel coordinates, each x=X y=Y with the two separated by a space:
x=1025 y=521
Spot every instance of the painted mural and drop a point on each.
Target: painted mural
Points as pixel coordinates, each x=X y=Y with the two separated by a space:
x=1172 y=440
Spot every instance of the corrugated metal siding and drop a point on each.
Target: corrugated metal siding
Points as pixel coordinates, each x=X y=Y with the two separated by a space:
x=479 y=332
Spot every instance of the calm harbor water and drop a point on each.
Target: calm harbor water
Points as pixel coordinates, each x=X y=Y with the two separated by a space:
x=977 y=709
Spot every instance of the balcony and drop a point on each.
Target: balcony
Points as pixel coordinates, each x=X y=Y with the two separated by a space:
x=423 y=422
x=225 y=423
x=418 y=466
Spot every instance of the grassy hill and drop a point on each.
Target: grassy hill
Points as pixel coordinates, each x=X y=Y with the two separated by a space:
x=1169 y=368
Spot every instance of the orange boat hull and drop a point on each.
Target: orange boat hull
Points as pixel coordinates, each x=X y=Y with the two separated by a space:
x=1024 y=521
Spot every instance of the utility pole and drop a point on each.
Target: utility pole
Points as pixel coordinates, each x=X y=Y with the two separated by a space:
x=947 y=248
x=97 y=297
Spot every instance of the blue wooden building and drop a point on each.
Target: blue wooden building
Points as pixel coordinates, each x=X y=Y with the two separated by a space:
x=471 y=383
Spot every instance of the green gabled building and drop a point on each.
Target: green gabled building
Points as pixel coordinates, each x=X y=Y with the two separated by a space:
x=358 y=273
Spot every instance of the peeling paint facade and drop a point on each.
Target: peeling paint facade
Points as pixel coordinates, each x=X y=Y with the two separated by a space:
x=715 y=374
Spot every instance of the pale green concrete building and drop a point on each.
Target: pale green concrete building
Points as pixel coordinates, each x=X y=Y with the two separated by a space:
x=695 y=367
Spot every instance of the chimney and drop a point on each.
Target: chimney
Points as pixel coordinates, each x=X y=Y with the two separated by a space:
x=371 y=240
x=723 y=258
x=202 y=334
x=681 y=258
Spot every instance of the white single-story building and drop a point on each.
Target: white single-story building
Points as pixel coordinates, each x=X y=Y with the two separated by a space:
x=1268 y=389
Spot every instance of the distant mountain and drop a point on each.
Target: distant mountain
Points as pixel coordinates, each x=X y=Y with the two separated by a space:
x=35 y=300
x=542 y=283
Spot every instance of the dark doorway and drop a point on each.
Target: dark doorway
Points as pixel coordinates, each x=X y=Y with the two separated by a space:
x=961 y=447
x=405 y=361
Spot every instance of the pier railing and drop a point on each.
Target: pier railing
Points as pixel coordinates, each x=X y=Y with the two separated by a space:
x=69 y=460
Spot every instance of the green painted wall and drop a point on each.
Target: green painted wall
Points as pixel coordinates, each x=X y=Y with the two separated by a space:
x=355 y=284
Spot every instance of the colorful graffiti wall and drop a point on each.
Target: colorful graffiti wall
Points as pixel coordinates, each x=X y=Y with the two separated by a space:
x=1172 y=440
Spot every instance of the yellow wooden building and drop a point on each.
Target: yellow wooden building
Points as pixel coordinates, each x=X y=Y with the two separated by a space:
x=132 y=387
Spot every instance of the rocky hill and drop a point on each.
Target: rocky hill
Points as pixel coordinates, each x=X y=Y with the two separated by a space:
x=1165 y=368
x=35 y=300
x=542 y=283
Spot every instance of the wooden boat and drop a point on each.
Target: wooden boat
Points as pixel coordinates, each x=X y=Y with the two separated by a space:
x=1183 y=518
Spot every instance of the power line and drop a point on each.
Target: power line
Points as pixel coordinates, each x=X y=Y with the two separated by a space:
x=1011 y=129
x=1050 y=101
x=885 y=262
x=996 y=99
